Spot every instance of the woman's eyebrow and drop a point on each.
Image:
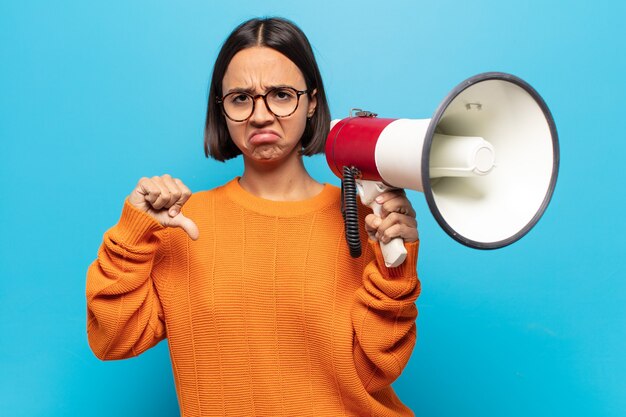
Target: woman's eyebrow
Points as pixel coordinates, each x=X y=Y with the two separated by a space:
x=252 y=91
x=248 y=90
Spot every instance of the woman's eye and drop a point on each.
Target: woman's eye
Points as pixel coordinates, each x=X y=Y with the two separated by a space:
x=283 y=95
x=239 y=98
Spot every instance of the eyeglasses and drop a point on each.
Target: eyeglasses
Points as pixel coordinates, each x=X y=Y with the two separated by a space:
x=281 y=102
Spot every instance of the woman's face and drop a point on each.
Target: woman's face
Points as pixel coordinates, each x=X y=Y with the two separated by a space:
x=264 y=137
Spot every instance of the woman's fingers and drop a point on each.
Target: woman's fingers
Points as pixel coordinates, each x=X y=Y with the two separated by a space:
x=392 y=226
x=160 y=192
x=406 y=232
x=395 y=201
x=144 y=194
x=171 y=192
x=166 y=193
x=397 y=225
x=397 y=218
x=372 y=222
x=182 y=198
x=163 y=198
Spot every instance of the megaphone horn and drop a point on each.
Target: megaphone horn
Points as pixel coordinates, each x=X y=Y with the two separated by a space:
x=487 y=161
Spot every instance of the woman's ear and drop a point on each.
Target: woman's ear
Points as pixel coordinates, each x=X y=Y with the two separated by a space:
x=312 y=104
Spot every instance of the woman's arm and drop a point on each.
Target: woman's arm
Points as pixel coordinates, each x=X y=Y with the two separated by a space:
x=384 y=311
x=124 y=312
x=383 y=316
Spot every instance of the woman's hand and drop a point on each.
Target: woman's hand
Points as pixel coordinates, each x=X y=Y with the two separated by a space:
x=162 y=198
x=397 y=220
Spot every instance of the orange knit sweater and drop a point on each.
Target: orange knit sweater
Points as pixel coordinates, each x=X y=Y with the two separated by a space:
x=266 y=313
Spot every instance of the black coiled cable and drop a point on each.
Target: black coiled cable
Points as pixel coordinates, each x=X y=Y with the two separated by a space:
x=349 y=210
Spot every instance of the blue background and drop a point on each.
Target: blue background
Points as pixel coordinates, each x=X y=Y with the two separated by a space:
x=94 y=95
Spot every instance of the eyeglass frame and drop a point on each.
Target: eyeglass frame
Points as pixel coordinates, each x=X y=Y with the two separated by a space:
x=220 y=100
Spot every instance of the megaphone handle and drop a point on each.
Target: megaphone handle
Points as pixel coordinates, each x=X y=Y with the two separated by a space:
x=393 y=251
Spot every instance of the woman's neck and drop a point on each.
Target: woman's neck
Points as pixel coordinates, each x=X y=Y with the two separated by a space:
x=285 y=181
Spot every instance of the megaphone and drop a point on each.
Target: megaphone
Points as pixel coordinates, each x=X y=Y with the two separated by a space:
x=487 y=161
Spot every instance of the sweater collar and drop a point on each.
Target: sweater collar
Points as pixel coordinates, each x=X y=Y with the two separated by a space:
x=328 y=196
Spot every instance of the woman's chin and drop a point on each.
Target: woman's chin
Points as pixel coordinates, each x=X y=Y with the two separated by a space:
x=268 y=154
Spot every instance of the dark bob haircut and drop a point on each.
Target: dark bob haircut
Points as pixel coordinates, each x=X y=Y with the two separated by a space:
x=285 y=37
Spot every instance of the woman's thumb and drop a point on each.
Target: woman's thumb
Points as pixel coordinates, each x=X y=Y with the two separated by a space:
x=187 y=225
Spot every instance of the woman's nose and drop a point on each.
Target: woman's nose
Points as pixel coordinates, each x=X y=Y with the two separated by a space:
x=261 y=113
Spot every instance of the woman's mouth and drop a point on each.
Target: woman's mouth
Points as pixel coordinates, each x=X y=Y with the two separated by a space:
x=262 y=137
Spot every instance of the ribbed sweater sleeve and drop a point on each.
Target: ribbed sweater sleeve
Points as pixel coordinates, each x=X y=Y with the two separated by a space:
x=383 y=317
x=124 y=313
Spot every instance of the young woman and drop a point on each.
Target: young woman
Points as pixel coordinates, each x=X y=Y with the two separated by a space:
x=252 y=283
